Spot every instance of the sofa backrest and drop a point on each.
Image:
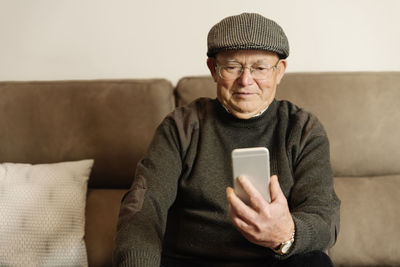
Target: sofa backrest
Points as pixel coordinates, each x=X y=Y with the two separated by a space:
x=360 y=112
x=45 y=122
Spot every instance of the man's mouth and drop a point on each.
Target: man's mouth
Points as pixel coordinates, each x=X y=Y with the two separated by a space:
x=244 y=94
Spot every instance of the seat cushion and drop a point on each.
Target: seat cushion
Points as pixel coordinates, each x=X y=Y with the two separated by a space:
x=101 y=224
x=370 y=219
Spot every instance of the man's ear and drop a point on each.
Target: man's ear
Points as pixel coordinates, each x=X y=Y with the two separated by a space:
x=211 y=63
x=281 y=70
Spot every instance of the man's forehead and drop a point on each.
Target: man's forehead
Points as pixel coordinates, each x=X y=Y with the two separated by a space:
x=253 y=55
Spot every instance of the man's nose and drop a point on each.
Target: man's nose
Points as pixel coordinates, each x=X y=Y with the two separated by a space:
x=246 y=78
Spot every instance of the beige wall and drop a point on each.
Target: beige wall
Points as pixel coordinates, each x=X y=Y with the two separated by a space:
x=96 y=39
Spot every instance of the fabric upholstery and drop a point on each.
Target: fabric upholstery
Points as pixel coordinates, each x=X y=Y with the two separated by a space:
x=190 y=88
x=111 y=121
x=370 y=218
x=360 y=112
x=101 y=224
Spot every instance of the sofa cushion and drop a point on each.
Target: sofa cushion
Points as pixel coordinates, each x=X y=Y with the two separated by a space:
x=190 y=88
x=360 y=112
x=111 y=121
x=42 y=213
x=370 y=217
x=101 y=224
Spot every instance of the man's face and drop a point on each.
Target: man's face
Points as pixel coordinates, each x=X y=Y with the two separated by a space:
x=245 y=96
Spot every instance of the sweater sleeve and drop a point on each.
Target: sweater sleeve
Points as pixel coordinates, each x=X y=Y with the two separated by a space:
x=144 y=208
x=313 y=202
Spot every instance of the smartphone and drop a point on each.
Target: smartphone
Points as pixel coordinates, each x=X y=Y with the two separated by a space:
x=253 y=163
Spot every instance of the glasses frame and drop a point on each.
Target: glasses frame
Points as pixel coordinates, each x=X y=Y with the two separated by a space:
x=269 y=68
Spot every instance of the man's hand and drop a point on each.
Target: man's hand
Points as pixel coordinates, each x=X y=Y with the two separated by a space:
x=262 y=223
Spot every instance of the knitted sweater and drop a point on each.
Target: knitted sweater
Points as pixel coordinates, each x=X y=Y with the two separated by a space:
x=177 y=204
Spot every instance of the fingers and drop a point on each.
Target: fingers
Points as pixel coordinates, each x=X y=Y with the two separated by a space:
x=238 y=209
x=239 y=216
x=237 y=221
x=262 y=223
x=256 y=199
x=275 y=188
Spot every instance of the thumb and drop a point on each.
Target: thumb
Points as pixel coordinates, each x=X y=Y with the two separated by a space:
x=275 y=188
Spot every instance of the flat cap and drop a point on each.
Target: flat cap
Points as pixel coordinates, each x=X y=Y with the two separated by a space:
x=247 y=31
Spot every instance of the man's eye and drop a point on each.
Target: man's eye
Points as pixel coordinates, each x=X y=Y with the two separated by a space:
x=232 y=68
x=260 y=68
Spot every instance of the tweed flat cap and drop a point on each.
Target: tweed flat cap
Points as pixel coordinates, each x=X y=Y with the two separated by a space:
x=247 y=31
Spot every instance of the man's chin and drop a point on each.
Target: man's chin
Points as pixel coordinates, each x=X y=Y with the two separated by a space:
x=243 y=113
x=245 y=106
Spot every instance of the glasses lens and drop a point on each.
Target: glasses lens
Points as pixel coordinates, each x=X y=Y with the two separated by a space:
x=260 y=73
x=232 y=72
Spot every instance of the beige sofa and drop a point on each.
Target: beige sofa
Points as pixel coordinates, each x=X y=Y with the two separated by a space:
x=112 y=121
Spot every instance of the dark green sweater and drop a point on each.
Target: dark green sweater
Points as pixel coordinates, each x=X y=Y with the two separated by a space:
x=177 y=204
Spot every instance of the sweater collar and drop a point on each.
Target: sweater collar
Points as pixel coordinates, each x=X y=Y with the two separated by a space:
x=259 y=120
x=259 y=114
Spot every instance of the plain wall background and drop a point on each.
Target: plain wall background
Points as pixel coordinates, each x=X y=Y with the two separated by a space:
x=99 y=39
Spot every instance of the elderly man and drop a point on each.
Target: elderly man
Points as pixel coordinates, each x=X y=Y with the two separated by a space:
x=181 y=209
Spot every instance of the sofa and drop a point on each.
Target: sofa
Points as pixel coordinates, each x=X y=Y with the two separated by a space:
x=113 y=121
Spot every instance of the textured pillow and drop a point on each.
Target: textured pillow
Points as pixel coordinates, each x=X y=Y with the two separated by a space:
x=42 y=213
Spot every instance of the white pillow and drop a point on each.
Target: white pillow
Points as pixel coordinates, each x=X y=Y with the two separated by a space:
x=42 y=213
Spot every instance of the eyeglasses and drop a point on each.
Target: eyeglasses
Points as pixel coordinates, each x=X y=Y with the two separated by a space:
x=232 y=71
